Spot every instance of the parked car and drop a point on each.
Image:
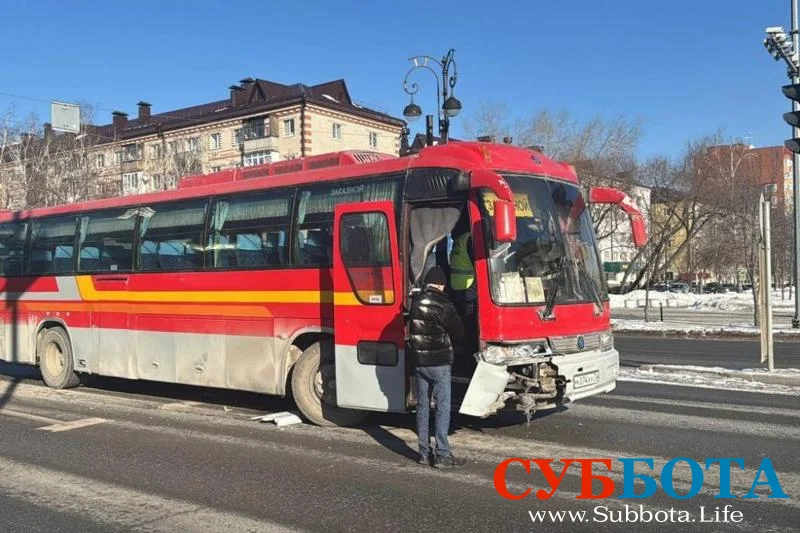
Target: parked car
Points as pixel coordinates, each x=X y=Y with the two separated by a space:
x=679 y=287
x=714 y=288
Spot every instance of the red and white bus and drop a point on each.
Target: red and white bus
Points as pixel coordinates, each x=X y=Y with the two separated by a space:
x=293 y=278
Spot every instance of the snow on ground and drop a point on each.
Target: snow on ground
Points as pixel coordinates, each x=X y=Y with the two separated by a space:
x=623 y=324
x=709 y=381
x=731 y=301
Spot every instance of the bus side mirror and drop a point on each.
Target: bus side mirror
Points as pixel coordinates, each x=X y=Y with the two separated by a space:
x=505 y=223
x=608 y=195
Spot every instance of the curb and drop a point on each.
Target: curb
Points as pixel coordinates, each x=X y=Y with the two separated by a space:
x=758 y=377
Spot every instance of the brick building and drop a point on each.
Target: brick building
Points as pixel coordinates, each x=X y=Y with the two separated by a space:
x=259 y=122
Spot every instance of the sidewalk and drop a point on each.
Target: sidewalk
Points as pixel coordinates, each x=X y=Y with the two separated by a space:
x=693 y=329
x=780 y=381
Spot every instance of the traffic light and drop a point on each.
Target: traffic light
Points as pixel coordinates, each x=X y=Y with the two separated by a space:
x=792 y=92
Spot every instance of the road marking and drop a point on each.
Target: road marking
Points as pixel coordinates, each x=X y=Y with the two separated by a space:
x=119 y=507
x=75 y=424
x=28 y=416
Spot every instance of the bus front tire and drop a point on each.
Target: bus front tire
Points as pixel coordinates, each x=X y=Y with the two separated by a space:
x=55 y=360
x=314 y=388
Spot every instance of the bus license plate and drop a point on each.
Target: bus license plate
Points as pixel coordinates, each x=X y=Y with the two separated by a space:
x=584 y=380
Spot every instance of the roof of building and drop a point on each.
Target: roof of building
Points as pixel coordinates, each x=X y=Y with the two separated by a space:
x=249 y=97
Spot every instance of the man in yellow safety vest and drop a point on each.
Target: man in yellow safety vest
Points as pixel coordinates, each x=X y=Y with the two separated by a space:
x=462 y=282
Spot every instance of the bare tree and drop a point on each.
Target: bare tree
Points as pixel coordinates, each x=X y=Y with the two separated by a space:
x=168 y=160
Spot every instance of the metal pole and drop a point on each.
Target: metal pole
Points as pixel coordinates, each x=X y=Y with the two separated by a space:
x=762 y=308
x=796 y=179
x=768 y=281
x=429 y=130
x=444 y=120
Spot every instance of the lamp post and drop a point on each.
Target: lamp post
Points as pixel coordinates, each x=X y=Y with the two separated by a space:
x=444 y=92
x=783 y=46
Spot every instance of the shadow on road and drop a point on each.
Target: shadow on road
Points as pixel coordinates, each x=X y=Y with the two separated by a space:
x=8 y=393
x=171 y=391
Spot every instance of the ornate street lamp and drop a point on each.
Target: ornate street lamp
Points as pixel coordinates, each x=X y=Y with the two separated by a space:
x=451 y=106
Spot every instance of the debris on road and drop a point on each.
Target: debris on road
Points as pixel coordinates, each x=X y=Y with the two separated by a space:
x=281 y=419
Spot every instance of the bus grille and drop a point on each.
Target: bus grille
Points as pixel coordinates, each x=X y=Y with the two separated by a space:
x=571 y=343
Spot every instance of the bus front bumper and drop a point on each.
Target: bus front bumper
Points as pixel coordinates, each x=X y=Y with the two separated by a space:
x=541 y=383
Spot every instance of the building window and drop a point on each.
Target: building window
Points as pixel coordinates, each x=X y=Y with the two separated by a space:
x=100 y=161
x=237 y=137
x=192 y=144
x=215 y=141
x=155 y=151
x=118 y=157
x=158 y=182
x=337 y=131
x=130 y=182
x=173 y=147
x=288 y=127
x=257 y=158
x=373 y=139
x=254 y=129
x=216 y=169
x=130 y=152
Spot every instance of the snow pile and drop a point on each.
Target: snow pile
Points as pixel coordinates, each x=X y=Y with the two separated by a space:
x=731 y=301
x=711 y=378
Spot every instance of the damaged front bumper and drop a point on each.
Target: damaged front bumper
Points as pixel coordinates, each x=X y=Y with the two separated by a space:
x=528 y=378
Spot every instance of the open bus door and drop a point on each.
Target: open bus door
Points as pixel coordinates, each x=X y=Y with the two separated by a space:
x=368 y=320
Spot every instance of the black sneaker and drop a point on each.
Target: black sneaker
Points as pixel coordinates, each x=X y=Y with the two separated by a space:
x=448 y=462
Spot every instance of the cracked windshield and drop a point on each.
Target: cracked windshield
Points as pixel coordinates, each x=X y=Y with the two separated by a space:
x=554 y=255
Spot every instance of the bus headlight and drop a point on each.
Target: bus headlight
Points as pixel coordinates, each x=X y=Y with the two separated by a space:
x=506 y=355
x=606 y=340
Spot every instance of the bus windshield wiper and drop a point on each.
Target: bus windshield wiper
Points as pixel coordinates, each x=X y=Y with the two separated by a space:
x=547 y=314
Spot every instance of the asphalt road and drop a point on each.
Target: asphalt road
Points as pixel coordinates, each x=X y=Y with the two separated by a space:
x=734 y=354
x=166 y=458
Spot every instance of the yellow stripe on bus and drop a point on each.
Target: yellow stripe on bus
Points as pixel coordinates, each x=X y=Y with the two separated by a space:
x=90 y=294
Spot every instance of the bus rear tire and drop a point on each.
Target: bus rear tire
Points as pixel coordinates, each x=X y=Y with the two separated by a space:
x=314 y=389
x=55 y=360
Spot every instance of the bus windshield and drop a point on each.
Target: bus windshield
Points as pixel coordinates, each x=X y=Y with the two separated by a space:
x=554 y=256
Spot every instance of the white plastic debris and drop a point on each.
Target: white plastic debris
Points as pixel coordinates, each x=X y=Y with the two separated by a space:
x=288 y=420
x=283 y=418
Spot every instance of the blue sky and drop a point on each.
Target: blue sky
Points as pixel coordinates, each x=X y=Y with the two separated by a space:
x=686 y=68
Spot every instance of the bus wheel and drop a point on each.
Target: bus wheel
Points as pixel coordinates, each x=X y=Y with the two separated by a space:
x=314 y=388
x=55 y=360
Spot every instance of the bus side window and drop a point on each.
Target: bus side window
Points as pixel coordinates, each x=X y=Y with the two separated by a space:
x=12 y=246
x=50 y=250
x=176 y=231
x=249 y=231
x=106 y=241
x=314 y=224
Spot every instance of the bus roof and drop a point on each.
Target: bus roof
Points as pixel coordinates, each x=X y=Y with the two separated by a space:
x=466 y=156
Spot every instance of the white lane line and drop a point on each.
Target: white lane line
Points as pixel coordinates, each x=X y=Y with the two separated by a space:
x=75 y=424
x=118 y=507
x=28 y=416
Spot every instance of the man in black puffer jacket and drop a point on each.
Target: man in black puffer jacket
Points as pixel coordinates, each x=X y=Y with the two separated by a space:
x=434 y=327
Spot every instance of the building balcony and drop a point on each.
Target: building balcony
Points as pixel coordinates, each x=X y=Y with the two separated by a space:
x=134 y=165
x=258 y=144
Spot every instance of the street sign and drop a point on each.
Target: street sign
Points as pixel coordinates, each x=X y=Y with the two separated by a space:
x=65 y=117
